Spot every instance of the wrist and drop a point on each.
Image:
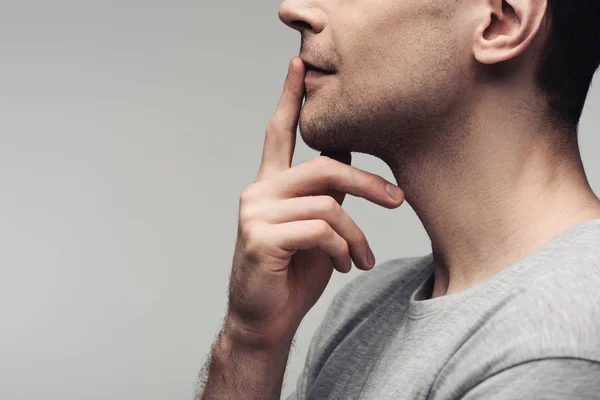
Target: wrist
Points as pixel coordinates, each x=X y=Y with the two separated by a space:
x=238 y=335
x=244 y=363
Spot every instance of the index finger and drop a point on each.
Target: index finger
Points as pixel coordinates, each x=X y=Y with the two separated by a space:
x=280 y=137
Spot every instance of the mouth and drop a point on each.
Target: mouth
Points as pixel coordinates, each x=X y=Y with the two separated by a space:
x=315 y=76
x=318 y=70
x=315 y=68
x=315 y=73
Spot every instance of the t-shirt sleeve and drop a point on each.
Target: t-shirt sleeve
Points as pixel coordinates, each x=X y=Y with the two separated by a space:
x=548 y=379
x=338 y=310
x=314 y=348
x=349 y=306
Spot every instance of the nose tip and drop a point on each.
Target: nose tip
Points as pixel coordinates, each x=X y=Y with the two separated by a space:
x=300 y=18
x=288 y=16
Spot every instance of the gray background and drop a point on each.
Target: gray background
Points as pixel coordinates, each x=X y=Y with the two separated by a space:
x=128 y=130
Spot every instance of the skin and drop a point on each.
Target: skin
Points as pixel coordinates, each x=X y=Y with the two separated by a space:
x=292 y=234
x=443 y=93
x=416 y=85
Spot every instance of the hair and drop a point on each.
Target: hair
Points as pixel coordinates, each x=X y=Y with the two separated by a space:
x=570 y=58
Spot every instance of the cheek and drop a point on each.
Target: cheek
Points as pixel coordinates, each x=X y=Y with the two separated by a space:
x=400 y=55
x=413 y=86
x=390 y=47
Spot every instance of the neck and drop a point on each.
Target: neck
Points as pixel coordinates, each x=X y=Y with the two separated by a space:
x=494 y=193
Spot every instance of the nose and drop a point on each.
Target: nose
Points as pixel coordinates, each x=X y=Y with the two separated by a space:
x=302 y=15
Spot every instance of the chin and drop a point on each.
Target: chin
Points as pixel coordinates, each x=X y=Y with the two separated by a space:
x=327 y=126
x=314 y=140
x=316 y=133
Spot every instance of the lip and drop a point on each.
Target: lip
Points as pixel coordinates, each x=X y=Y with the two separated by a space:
x=310 y=65
x=314 y=76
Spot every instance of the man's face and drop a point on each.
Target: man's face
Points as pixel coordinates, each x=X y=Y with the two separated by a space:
x=399 y=67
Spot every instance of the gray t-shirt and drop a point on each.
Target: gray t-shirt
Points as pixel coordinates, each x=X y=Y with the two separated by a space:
x=532 y=331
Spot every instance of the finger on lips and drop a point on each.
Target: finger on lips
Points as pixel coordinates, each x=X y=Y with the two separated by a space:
x=302 y=213
x=280 y=137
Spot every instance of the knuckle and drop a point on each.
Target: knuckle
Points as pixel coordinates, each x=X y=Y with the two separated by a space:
x=248 y=194
x=344 y=249
x=252 y=235
x=367 y=184
x=372 y=182
x=329 y=205
x=360 y=235
x=322 y=229
x=325 y=168
x=361 y=240
x=322 y=162
x=248 y=213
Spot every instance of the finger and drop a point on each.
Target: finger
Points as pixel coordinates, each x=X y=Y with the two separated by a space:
x=280 y=137
x=345 y=158
x=323 y=174
x=315 y=234
x=317 y=208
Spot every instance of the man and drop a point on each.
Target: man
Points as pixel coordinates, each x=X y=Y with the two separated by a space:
x=474 y=105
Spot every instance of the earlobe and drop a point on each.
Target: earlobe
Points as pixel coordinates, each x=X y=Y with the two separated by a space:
x=507 y=29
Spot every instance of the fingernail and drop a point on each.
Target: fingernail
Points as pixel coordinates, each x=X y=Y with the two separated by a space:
x=371 y=258
x=395 y=192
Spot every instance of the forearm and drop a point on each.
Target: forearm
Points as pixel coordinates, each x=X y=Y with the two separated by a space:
x=240 y=370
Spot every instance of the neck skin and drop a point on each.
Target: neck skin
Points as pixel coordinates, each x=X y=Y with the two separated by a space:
x=506 y=191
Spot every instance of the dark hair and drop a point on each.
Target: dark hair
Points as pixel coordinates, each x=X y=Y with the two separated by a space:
x=570 y=58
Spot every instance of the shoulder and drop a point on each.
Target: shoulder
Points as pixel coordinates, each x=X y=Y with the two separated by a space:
x=553 y=308
x=556 y=312
x=548 y=378
x=550 y=313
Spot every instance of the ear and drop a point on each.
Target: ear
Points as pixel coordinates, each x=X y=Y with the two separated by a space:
x=507 y=29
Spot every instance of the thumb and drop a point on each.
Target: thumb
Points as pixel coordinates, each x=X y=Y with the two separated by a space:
x=343 y=157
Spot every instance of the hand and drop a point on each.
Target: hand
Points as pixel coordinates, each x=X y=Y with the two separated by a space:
x=292 y=229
